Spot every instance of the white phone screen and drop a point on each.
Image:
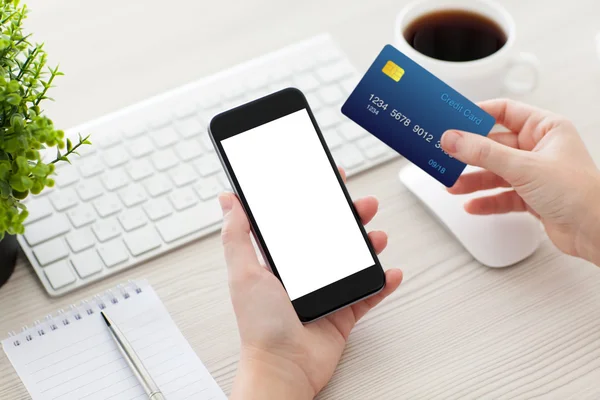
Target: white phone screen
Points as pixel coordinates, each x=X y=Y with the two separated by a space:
x=298 y=204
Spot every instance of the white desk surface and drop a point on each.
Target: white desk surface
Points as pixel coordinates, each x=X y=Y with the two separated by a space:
x=454 y=329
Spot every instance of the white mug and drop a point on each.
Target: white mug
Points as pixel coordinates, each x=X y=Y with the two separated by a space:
x=481 y=79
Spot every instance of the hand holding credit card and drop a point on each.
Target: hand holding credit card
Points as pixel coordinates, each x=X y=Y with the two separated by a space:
x=409 y=109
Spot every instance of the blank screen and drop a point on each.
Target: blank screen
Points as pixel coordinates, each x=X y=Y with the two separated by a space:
x=298 y=204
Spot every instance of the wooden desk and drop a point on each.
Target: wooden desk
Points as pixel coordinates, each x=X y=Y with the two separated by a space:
x=455 y=329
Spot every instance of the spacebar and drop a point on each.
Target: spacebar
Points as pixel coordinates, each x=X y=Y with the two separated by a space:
x=189 y=221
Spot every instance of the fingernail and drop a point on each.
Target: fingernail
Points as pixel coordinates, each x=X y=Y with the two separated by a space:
x=226 y=203
x=450 y=140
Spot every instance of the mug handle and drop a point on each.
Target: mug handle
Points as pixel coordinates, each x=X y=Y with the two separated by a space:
x=529 y=62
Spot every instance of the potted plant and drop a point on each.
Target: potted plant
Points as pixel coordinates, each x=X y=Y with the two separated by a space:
x=26 y=134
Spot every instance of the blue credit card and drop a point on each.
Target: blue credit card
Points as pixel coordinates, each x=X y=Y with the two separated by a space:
x=409 y=109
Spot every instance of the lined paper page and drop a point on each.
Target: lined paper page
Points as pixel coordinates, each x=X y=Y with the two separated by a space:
x=80 y=360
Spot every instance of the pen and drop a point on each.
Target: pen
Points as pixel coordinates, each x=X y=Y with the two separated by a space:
x=133 y=360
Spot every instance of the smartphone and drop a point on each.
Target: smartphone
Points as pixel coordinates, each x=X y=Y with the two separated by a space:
x=301 y=215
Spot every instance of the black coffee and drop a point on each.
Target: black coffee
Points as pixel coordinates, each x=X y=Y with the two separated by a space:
x=455 y=35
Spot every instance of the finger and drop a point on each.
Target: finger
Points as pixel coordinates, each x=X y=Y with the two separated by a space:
x=366 y=208
x=379 y=240
x=342 y=173
x=499 y=204
x=393 y=278
x=239 y=253
x=506 y=138
x=474 y=181
x=512 y=114
x=483 y=152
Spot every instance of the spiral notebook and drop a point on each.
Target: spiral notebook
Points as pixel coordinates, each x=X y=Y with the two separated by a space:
x=72 y=355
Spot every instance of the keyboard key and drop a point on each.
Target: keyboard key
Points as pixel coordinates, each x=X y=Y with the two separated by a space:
x=82 y=215
x=280 y=72
x=164 y=159
x=349 y=84
x=208 y=188
x=140 y=169
x=66 y=176
x=334 y=72
x=132 y=195
x=328 y=117
x=142 y=240
x=106 y=229
x=231 y=90
x=327 y=54
x=157 y=185
x=208 y=165
x=207 y=143
x=114 y=179
x=80 y=239
x=208 y=100
x=379 y=151
x=89 y=189
x=59 y=274
x=115 y=156
x=189 y=221
x=51 y=251
x=314 y=101
x=164 y=137
x=183 y=198
x=304 y=62
x=182 y=175
x=133 y=129
x=46 y=229
x=373 y=147
x=332 y=95
x=333 y=139
x=107 y=139
x=132 y=219
x=256 y=81
x=38 y=208
x=306 y=82
x=186 y=109
x=350 y=131
x=63 y=199
x=159 y=119
x=188 y=149
x=348 y=157
x=87 y=263
x=107 y=205
x=189 y=127
x=113 y=252
x=158 y=208
x=91 y=166
x=141 y=147
x=368 y=142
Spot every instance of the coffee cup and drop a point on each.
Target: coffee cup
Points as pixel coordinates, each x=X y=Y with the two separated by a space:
x=476 y=71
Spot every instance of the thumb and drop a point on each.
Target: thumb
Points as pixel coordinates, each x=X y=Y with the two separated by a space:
x=481 y=151
x=235 y=234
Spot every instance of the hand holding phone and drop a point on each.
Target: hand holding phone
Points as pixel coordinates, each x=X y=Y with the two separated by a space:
x=280 y=357
x=299 y=210
x=311 y=236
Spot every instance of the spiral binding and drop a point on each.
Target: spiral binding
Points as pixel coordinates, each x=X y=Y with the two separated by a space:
x=63 y=318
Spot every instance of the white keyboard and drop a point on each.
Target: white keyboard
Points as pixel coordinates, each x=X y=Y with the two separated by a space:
x=149 y=183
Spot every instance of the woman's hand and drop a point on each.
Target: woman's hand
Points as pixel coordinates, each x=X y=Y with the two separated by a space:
x=280 y=357
x=544 y=160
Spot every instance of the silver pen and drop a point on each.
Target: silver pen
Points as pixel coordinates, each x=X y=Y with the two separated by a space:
x=133 y=360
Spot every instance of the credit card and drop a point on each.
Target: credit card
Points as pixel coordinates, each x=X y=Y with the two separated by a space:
x=408 y=108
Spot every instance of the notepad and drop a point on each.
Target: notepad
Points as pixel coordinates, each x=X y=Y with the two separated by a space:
x=72 y=355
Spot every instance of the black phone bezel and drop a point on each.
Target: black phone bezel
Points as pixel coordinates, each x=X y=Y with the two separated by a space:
x=336 y=295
